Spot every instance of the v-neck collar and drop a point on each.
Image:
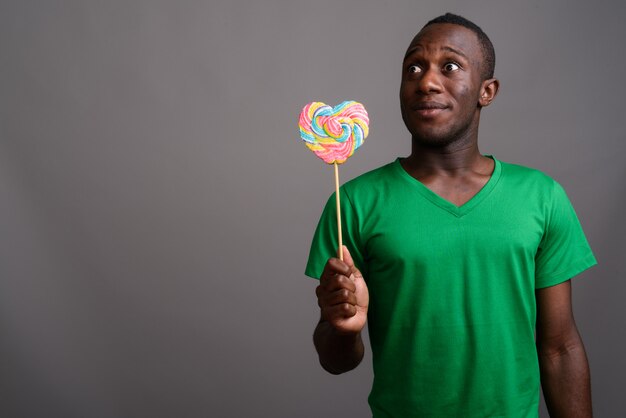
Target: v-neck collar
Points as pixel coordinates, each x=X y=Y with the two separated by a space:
x=446 y=205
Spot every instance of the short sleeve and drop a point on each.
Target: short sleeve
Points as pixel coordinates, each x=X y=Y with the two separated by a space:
x=325 y=241
x=563 y=251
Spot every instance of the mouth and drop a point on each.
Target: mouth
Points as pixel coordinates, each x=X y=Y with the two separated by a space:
x=428 y=109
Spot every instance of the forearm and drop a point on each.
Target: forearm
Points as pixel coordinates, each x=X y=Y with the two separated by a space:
x=338 y=353
x=565 y=379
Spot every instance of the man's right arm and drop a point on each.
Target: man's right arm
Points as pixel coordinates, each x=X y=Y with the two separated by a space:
x=343 y=299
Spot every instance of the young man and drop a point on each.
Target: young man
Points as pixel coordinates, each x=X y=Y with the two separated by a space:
x=454 y=259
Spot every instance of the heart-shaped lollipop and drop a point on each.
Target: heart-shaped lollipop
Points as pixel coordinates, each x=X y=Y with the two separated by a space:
x=334 y=133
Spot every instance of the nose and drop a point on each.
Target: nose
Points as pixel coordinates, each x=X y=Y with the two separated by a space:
x=430 y=82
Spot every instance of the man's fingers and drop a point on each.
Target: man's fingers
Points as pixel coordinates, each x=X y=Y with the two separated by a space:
x=337 y=281
x=340 y=311
x=337 y=291
x=336 y=298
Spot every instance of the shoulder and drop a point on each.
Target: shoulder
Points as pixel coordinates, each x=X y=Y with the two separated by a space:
x=521 y=172
x=534 y=187
x=372 y=179
x=523 y=177
x=373 y=186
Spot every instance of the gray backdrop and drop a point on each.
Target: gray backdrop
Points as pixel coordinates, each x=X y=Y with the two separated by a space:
x=156 y=203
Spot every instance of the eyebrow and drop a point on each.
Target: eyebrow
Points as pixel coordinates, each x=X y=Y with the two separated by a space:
x=445 y=48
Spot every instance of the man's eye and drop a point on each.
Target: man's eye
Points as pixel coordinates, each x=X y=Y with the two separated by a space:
x=451 y=66
x=414 y=69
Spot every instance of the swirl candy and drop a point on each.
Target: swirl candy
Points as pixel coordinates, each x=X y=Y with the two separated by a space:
x=334 y=133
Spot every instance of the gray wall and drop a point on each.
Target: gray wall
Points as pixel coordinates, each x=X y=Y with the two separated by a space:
x=156 y=203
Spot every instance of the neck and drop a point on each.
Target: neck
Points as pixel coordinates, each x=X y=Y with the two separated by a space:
x=457 y=157
x=448 y=158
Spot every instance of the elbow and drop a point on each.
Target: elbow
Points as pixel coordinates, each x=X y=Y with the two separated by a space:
x=560 y=346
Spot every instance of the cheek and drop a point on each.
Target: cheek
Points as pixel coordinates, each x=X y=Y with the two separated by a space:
x=403 y=89
x=468 y=95
x=404 y=95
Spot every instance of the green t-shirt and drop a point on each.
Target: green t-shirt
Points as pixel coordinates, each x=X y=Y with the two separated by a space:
x=452 y=289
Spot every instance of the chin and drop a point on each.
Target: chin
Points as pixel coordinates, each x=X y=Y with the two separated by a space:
x=441 y=136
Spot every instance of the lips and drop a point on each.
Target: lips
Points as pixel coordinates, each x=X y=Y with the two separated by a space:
x=428 y=109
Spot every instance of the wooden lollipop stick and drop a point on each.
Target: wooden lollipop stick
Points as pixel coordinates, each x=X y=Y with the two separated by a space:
x=340 y=249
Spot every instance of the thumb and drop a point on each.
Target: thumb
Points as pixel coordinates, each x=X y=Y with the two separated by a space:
x=347 y=258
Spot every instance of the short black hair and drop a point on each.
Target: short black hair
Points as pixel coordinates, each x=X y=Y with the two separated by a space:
x=489 y=54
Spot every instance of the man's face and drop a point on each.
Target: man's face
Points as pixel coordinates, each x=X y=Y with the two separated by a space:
x=441 y=84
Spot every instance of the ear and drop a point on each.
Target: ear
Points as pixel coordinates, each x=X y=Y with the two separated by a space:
x=488 y=91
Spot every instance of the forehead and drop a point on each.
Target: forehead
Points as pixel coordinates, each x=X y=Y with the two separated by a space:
x=445 y=36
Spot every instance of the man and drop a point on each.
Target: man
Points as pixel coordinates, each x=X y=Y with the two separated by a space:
x=454 y=259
